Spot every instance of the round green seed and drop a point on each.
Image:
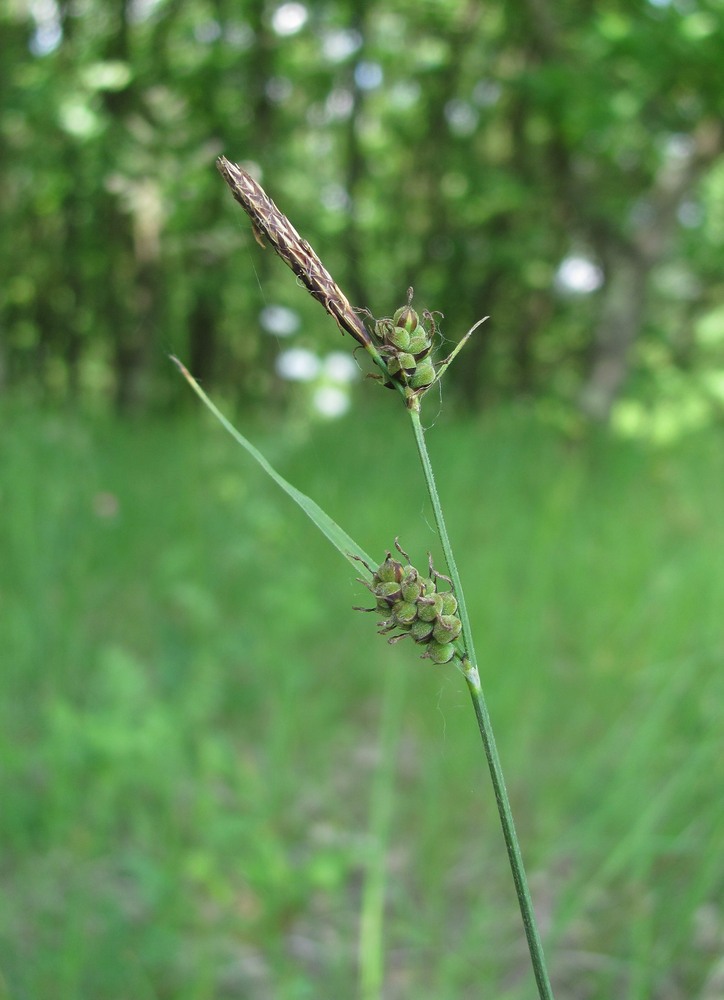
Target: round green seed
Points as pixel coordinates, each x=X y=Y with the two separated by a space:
x=447 y=628
x=441 y=652
x=404 y=612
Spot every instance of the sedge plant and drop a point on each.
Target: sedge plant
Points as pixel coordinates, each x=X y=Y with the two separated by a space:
x=426 y=605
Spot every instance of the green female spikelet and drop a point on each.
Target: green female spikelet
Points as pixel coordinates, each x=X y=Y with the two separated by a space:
x=405 y=342
x=411 y=604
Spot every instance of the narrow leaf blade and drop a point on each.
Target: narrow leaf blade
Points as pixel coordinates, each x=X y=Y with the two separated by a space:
x=336 y=535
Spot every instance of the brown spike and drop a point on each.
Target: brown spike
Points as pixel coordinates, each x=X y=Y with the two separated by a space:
x=267 y=220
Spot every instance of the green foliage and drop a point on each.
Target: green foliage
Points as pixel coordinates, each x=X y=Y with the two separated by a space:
x=189 y=715
x=464 y=149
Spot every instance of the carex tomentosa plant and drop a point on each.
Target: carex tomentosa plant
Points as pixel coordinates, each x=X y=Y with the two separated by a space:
x=428 y=608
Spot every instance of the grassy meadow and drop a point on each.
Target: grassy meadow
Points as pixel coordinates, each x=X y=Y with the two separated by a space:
x=209 y=762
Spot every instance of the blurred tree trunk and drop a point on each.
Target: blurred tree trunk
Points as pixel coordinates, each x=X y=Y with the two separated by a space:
x=628 y=266
x=619 y=323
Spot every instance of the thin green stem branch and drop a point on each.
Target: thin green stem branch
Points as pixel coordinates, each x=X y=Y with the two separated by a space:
x=472 y=678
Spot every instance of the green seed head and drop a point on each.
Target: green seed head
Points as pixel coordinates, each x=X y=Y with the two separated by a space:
x=410 y=604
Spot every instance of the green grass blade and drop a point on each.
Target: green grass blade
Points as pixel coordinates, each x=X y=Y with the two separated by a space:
x=336 y=535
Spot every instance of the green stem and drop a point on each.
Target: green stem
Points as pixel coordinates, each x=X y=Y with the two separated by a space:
x=472 y=678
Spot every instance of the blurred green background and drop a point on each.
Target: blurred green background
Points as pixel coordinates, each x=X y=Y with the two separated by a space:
x=198 y=779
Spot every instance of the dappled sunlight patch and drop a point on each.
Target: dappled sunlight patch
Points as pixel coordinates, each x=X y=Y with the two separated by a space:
x=662 y=422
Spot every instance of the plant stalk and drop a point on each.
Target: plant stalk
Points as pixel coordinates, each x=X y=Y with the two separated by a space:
x=472 y=678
